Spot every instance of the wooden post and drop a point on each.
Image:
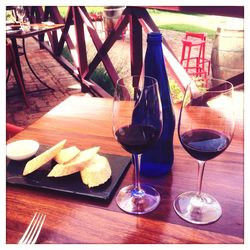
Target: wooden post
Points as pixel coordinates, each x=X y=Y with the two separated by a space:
x=106 y=46
x=65 y=36
x=54 y=38
x=39 y=17
x=98 y=44
x=135 y=45
x=82 y=63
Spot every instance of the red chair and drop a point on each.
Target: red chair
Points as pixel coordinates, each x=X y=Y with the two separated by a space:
x=12 y=130
x=195 y=64
x=97 y=18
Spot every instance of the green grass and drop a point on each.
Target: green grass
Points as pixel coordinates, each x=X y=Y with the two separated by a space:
x=182 y=22
x=66 y=54
x=101 y=77
x=188 y=28
x=90 y=9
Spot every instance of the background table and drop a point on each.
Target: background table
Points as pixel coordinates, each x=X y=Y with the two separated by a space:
x=87 y=122
x=36 y=29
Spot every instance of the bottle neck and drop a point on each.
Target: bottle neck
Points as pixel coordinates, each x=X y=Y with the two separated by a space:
x=154 y=37
x=154 y=43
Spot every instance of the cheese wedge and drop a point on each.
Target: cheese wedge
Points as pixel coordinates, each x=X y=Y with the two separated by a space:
x=43 y=158
x=96 y=172
x=74 y=165
x=67 y=154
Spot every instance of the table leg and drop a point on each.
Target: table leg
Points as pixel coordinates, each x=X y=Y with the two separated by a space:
x=15 y=48
x=8 y=75
x=32 y=70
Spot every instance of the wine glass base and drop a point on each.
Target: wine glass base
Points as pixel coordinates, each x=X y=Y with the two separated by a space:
x=203 y=209
x=138 y=204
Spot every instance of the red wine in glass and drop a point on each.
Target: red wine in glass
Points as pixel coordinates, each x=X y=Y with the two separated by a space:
x=204 y=144
x=137 y=138
x=205 y=129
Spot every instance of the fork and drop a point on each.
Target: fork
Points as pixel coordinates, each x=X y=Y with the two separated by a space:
x=32 y=232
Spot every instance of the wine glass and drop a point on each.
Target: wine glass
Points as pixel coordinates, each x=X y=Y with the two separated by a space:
x=26 y=24
x=137 y=125
x=20 y=11
x=205 y=129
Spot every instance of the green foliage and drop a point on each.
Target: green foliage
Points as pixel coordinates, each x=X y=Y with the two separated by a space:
x=63 y=10
x=101 y=77
x=66 y=54
x=176 y=93
x=9 y=17
x=94 y=9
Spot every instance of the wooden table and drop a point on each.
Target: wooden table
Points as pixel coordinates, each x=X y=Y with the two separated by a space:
x=86 y=122
x=36 y=29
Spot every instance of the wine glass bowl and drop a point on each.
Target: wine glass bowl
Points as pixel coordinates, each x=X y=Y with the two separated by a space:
x=20 y=12
x=205 y=129
x=137 y=125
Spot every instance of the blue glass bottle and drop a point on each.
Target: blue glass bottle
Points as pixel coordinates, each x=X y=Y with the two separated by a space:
x=158 y=160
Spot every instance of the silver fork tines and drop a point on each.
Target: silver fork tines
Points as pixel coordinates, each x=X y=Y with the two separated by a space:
x=32 y=232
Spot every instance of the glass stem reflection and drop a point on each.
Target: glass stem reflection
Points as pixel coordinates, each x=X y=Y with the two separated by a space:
x=137 y=191
x=201 y=166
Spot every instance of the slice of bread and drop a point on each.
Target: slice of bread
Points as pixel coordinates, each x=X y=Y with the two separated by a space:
x=67 y=154
x=43 y=158
x=96 y=172
x=74 y=165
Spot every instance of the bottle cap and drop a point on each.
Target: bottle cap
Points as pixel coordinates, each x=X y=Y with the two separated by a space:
x=154 y=37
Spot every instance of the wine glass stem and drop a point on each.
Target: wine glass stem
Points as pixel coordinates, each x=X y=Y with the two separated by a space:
x=201 y=166
x=137 y=191
x=21 y=22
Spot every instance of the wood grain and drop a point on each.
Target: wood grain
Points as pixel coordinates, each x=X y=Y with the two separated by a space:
x=86 y=122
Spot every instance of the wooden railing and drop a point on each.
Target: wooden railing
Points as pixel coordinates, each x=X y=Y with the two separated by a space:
x=138 y=20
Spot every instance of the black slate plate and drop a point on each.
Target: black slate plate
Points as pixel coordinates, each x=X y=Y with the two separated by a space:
x=69 y=184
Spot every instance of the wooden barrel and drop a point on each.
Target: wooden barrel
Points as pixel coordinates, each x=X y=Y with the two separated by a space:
x=227 y=59
x=111 y=14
